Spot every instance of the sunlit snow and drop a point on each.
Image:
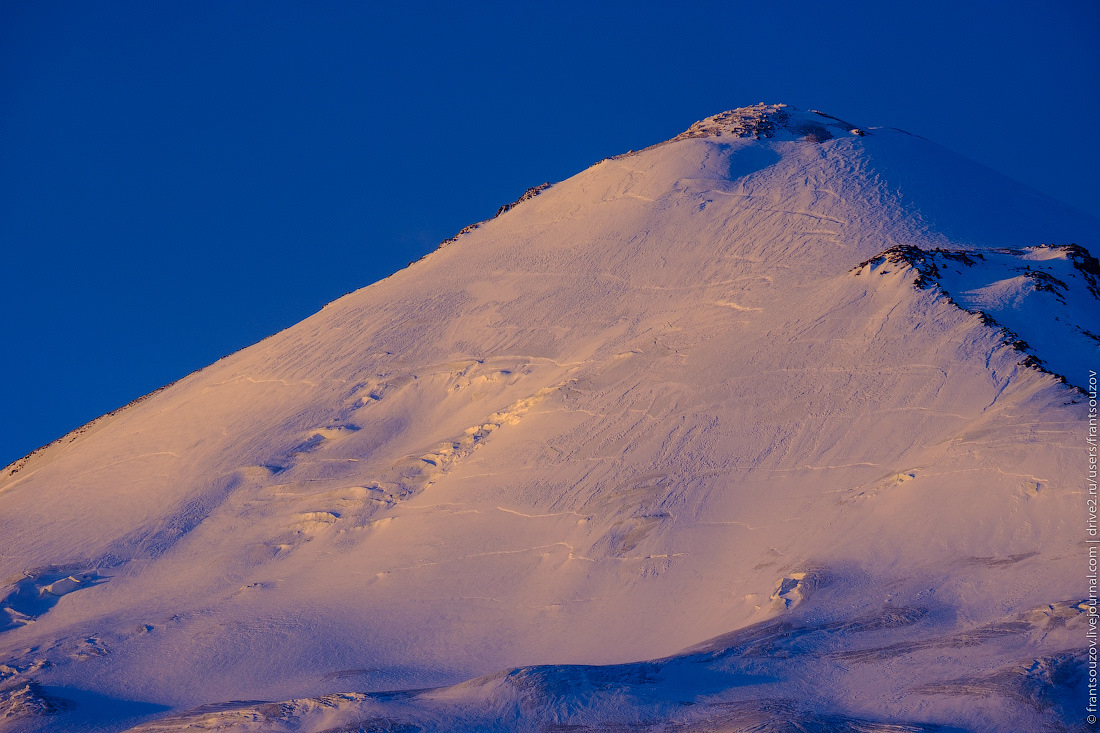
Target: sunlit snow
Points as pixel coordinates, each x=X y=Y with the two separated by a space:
x=775 y=423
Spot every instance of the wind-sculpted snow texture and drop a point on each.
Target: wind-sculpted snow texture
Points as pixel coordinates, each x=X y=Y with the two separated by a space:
x=789 y=408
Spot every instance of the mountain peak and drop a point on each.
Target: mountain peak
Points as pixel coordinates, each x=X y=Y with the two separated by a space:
x=777 y=121
x=664 y=388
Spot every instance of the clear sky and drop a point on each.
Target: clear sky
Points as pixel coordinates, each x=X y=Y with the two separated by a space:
x=179 y=180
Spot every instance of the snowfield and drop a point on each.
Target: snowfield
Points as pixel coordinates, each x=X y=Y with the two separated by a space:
x=778 y=423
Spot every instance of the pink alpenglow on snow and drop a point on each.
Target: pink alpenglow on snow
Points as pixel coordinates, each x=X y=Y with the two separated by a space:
x=778 y=423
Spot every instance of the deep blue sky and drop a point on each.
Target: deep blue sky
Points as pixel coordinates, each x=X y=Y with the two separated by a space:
x=181 y=179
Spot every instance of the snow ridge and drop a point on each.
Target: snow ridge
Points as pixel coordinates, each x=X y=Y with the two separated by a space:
x=1043 y=299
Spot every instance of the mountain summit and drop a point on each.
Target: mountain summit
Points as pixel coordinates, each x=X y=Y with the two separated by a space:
x=777 y=423
x=773 y=122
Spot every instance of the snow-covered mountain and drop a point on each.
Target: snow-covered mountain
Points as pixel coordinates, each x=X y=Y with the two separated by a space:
x=780 y=422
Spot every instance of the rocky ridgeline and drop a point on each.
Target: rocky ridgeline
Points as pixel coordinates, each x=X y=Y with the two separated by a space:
x=763 y=121
x=755 y=121
x=528 y=194
x=1067 y=275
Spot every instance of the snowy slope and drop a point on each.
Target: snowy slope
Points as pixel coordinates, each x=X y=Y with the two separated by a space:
x=721 y=395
